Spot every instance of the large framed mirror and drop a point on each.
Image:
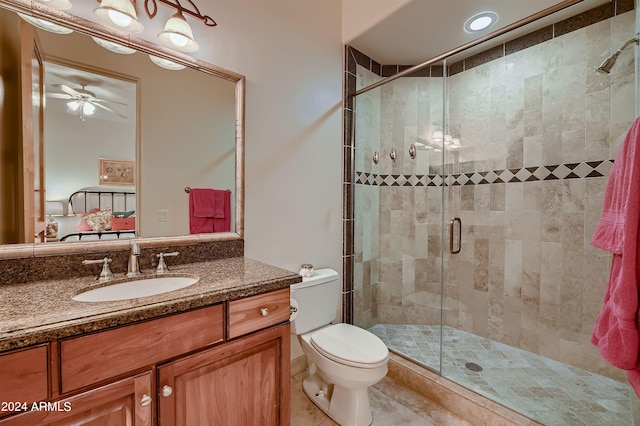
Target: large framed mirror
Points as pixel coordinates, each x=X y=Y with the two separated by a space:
x=175 y=130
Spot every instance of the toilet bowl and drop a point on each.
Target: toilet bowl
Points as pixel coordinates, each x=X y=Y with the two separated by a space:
x=344 y=360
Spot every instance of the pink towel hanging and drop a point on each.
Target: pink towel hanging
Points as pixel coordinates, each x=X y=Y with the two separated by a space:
x=209 y=210
x=616 y=332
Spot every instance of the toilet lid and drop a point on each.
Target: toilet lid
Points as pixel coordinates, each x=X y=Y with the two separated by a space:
x=350 y=345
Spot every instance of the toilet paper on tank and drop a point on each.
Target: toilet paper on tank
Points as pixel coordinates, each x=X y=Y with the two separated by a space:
x=293 y=309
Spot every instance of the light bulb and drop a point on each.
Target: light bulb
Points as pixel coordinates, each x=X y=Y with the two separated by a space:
x=119 y=18
x=178 y=39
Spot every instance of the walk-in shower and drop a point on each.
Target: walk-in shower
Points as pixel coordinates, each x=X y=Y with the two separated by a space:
x=473 y=184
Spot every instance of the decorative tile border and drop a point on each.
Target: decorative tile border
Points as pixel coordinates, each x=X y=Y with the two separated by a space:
x=589 y=169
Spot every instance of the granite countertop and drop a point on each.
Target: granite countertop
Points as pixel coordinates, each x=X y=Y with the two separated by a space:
x=38 y=312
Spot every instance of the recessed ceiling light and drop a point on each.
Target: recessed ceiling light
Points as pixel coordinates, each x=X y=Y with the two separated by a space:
x=480 y=22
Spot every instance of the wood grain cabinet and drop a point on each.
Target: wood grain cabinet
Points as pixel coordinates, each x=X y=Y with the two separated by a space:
x=244 y=382
x=226 y=364
x=125 y=402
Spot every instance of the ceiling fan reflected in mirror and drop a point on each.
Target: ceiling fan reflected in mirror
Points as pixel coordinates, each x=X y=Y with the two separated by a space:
x=82 y=102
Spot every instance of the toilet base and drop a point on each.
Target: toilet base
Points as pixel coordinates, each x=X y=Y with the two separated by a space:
x=347 y=407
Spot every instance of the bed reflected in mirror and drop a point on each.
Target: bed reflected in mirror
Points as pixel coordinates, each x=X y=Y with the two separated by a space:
x=90 y=129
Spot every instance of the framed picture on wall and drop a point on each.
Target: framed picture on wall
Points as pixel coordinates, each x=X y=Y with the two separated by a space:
x=117 y=172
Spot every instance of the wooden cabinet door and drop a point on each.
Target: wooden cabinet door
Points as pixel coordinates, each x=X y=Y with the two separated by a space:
x=244 y=382
x=126 y=402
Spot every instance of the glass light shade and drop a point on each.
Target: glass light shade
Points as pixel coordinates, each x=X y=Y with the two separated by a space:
x=88 y=108
x=120 y=13
x=57 y=4
x=437 y=136
x=177 y=34
x=45 y=25
x=114 y=47
x=73 y=105
x=165 y=63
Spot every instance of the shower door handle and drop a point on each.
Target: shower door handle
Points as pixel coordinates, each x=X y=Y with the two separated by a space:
x=453 y=248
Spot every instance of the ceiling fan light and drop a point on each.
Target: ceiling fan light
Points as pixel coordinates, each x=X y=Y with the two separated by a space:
x=45 y=25
x=120 y=13
x=73 y=105
x=177 y=34
x=57 y=4
x=88 y=108
x=165 y=63
x=114 y=47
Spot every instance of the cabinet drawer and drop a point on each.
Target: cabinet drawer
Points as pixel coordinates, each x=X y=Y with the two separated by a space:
x=257 y=312
x=93 y=358
x=24 y=376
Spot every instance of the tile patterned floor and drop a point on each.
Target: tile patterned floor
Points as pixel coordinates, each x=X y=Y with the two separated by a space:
x=391 y=403
x=548 y=391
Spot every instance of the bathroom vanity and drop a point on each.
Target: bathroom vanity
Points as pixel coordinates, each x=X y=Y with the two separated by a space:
x=214 y=353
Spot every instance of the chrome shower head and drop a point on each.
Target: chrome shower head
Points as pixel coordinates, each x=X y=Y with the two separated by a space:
x=607 y=64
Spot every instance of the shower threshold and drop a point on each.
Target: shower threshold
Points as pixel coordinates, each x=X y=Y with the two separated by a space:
x=548 y=391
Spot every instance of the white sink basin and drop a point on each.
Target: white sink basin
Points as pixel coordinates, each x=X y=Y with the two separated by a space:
x=131 y=289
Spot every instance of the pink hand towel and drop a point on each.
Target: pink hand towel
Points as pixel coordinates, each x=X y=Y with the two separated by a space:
x=616 y=332
x=222 y=217
x=201 y=210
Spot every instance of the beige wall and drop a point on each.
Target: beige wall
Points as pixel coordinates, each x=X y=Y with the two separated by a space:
x=291 y=54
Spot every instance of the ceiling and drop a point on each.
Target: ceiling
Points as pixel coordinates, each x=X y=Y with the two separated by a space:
x=423 y=29
x=117 y=94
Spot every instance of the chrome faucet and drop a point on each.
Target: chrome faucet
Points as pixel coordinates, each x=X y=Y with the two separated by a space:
x=133 y=269
x=104 y=275
x=162 y=266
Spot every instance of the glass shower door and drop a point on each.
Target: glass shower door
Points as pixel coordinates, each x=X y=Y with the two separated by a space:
x=398 y=213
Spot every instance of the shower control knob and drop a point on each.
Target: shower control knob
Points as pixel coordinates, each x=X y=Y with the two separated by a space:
x=264 y=311
x=166 y=391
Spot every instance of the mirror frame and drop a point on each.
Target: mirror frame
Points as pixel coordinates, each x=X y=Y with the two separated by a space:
x=90 y=28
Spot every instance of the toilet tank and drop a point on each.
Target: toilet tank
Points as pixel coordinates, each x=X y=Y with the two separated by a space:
x=317 y=298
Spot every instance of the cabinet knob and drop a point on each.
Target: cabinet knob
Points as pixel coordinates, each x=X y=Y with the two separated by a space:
x=166 y=390
x=145 y=400
x=264 y=311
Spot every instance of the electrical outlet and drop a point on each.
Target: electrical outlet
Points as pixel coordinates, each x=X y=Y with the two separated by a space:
x=162 y=215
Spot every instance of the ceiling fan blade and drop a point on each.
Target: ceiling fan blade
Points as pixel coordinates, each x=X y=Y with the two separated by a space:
x=66 y=89
x=107 y=109
x=105 y=100
x=59 y=96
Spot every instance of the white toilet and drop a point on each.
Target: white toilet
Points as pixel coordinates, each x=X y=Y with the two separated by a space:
x=344 y=360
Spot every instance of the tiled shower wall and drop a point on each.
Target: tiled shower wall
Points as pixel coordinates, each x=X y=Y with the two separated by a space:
x=538 y=129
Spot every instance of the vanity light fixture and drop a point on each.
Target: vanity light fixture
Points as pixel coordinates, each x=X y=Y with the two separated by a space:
x=121 y=13
x=113 y=47
x=43 y=24
x=480 y=22
x=165 y=63
x=177 y=34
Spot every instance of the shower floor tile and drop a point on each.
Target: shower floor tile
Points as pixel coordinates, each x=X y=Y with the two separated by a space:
x=548 y=391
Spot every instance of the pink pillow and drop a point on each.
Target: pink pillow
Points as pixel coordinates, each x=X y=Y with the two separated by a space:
x=83 y=226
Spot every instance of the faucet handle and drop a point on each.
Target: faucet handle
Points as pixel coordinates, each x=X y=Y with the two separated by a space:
x=104 y=275
x=162 y=266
